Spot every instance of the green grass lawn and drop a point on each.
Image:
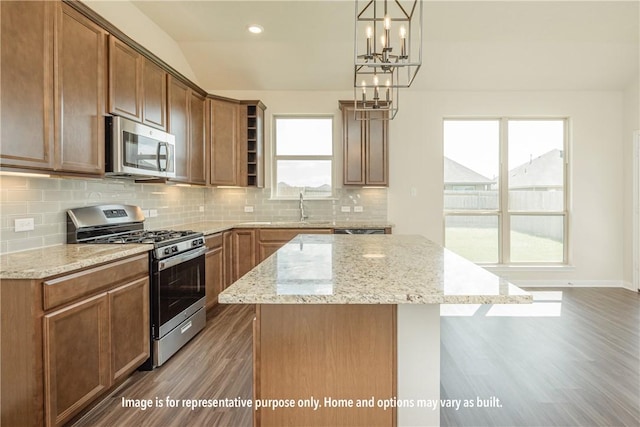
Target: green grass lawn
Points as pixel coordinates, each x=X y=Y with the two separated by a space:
x=481 y=245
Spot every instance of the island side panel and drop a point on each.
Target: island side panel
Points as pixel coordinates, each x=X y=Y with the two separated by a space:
x=418 y=363
x=333 y=351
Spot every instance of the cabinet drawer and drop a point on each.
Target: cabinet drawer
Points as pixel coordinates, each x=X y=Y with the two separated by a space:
x=213 y=241
x=286 y=234
x=65 y=289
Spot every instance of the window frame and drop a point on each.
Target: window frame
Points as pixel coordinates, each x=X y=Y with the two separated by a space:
x=503 y=212
x=275 y=157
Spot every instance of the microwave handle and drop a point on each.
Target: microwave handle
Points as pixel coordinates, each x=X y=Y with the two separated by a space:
x=166 y=152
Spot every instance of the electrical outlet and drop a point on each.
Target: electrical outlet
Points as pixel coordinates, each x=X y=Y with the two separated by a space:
x=145 y=212
x=24 y=224
x=346 y=209
x=414 y=191
x=248 y=209
x=153 y=213
x=200 y=208
x=358 y=209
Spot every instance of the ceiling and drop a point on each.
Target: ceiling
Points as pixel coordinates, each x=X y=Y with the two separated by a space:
x=472 y=45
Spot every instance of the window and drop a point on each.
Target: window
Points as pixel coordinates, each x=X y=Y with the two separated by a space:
x=505 y=190
x=303 y=156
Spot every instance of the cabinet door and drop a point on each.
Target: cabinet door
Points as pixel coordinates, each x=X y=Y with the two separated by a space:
x=353 y=146
x=154 y=95
x=26 y=84
x=214 y=267
x=197 y=121
x=224 y=137
x=80 y=93
x=266 y=249
x=244 y=252
x=130 y=330
x=227 y=249
x=377 y=150
x=125 y=79
x=76 y=357
x=178 y=126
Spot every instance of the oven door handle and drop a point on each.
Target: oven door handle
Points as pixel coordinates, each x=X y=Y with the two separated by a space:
x=175 y=260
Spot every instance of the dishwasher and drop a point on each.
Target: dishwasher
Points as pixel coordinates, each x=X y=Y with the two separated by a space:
x=358 y=231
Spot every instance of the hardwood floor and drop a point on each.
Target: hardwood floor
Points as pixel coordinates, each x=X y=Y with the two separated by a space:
x=579 y=368
x=573 y=361
x=216 y=364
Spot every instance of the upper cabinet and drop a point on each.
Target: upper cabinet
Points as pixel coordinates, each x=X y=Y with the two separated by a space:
x=53 y=80
x=253 y=136
x=137 y=87
x=224 y=145
x=178 y=125
x=197 y=138
x=365 y=147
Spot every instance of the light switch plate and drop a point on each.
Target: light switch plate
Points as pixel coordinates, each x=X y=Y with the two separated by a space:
x=24 y=224
x=146 y=213
x=200 y=208
x=358 y=209
x=153 y=213
x=346 y=209
x=248 y=208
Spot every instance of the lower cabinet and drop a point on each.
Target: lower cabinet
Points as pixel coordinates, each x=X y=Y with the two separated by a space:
x=272 y=239
x=244 y=251
x=67 y=340
x=76 y=357
x=214 y=267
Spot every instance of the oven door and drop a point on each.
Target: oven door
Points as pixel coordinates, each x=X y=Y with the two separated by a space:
x=178 y=289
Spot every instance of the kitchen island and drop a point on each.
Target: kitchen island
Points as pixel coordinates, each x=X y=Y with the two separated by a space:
x=347 y=328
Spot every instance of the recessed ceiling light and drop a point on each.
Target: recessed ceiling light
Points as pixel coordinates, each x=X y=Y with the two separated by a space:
x=255 y=29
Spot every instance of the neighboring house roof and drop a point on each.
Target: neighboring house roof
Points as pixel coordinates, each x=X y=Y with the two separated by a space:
x=455 y=173
x=543 y=171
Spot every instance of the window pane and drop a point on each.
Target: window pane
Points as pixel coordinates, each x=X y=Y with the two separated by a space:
x=304 y=136
x=473 y=237
x=311 y=176
x=471 y=164
x=536 y=165
x=537 y=238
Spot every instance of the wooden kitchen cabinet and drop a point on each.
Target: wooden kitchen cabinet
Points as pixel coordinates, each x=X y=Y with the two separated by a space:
x=272 y=239
x=227 y=250
x=225 y=152
x=365 y=147
x=76 y=357
x=197 y=138
x=53 y=88
x=244 y=251
x=252 y=139
x=178 y=95
x=26 y=84
x=66 y=340
x=129 y=327
x=137 y=86
x=214 y=267
x=80 y=93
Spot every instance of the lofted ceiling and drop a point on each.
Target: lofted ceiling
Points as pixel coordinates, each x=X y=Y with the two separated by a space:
x=468 y=45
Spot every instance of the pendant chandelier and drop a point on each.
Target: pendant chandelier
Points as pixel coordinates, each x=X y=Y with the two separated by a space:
x=388 y=54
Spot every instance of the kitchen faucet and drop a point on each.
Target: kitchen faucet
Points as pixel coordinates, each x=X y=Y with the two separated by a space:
x=302 y=215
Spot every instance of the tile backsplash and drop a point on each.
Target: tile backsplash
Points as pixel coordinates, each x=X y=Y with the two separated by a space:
x=47 y=199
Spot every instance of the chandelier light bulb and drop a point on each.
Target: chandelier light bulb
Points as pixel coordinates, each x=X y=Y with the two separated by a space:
x=369 y=32
x=387 y=22
x=375 y=80
x=403 y=32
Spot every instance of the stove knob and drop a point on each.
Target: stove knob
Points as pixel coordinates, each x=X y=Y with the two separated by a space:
x=195 y=242
x=174 y=249
x=167 y=251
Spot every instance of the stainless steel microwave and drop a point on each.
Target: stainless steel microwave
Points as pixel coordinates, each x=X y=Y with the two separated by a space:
x=134 y=149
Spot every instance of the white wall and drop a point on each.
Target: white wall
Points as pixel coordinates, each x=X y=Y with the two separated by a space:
x=135 y=24
x=631 y=123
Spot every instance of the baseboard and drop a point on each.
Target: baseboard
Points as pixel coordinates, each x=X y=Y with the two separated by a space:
x=571 y=284
x=629 y=285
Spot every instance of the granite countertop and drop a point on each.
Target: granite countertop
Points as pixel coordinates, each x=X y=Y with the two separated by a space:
x=54 y=260
x=369 y=269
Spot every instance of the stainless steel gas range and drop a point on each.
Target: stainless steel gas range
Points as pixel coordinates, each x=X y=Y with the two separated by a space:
x=177 y=263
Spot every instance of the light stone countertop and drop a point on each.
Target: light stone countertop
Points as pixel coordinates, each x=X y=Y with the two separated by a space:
x=61 y=259
x=369 y=269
